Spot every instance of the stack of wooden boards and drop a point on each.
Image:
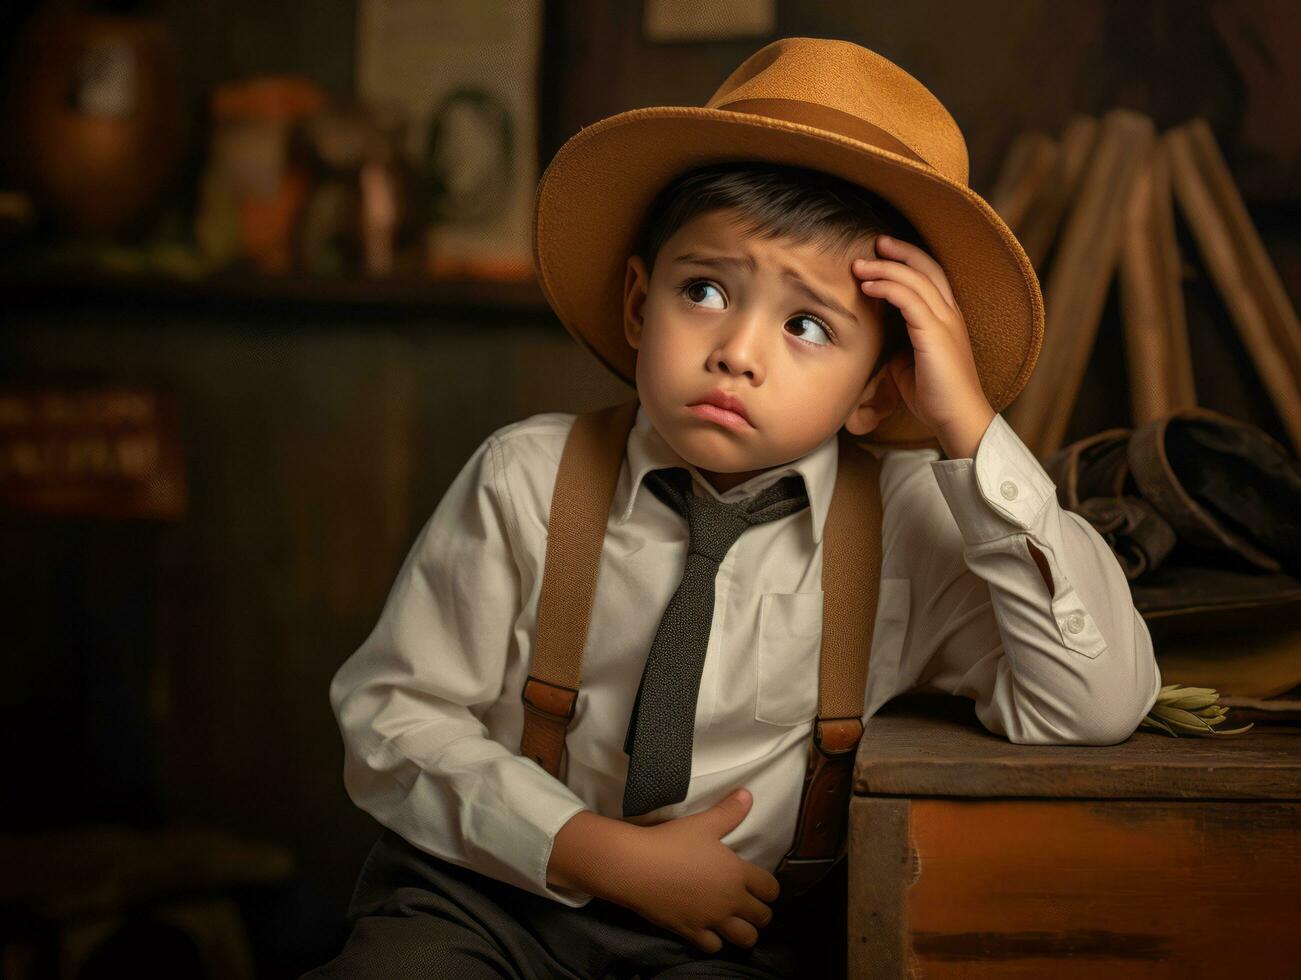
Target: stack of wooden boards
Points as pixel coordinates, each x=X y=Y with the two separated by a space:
x=1101 y=199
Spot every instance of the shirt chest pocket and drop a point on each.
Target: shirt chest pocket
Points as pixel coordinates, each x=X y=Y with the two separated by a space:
x=790 y=641
x=790 y=647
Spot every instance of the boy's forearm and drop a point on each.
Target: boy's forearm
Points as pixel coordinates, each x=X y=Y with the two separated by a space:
x=585 y=854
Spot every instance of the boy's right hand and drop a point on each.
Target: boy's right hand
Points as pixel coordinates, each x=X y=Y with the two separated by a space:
x=681 y=876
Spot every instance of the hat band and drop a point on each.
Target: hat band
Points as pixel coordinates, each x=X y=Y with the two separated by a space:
x=823 y=117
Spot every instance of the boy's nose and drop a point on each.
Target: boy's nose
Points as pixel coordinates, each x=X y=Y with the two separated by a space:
x=739 y=353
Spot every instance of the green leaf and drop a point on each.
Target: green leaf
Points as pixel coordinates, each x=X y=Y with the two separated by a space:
x=1153 y=722
x=1180 y=718
x=1193 y=699
x=1236 y=731
x=1191 y=710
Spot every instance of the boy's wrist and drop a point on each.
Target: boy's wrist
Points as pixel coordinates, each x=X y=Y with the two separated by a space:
x=960 y=440
x=585 y=855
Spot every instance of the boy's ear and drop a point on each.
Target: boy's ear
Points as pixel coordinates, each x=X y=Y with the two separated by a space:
x=636 y=284
x=879 y=398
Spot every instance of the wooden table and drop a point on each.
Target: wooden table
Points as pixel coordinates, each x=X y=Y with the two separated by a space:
x=972 y=857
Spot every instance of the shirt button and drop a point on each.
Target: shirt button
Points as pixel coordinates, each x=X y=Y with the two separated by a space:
x=1074 y=622
x=1008 y=489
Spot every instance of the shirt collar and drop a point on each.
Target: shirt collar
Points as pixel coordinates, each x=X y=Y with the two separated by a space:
x=648 y=451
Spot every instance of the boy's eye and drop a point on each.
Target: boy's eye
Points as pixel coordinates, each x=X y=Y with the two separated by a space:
x=818 y=330
x=693 y=288
x=694 y=292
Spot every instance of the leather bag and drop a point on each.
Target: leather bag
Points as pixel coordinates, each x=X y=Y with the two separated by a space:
x=1223 y=490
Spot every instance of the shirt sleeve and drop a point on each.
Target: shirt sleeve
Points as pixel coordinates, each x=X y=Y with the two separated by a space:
x=409 y=700
x=1068 y=664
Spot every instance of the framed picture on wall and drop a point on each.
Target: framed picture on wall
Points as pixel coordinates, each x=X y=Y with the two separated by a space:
x=466 y=77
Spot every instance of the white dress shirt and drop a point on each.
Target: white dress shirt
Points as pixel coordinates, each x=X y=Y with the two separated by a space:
x=429 y=705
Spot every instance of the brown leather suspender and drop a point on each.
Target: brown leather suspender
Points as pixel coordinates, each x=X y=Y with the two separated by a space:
x=580 y=509
x=851 y=572
x=851 y=567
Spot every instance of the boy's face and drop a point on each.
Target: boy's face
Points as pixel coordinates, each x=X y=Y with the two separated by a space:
x=798 y=365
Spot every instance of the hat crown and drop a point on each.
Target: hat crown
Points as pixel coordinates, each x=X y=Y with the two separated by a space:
x=822 y=104
x=846 y=88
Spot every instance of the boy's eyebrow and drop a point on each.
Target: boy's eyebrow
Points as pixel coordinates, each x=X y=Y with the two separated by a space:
x=749 y=263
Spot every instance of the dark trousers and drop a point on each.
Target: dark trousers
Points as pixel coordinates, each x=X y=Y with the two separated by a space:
x=414 y=915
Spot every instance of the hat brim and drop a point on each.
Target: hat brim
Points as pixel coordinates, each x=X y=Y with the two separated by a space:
x=594 y=195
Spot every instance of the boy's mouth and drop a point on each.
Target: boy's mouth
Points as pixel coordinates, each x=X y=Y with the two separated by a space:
x=723 y=408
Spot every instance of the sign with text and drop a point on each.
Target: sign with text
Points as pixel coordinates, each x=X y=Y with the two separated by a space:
x=104 y=452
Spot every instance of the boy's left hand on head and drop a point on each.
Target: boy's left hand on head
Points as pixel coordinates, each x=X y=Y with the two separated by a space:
x=937 y=379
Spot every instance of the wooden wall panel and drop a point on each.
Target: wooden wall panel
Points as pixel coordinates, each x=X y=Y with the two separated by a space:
x=314 y=457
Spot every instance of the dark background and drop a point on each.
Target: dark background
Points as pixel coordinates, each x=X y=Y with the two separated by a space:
x=176 y=674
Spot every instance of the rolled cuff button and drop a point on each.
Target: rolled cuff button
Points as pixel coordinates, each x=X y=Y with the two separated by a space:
x=1008 y=489
x=1074 y=623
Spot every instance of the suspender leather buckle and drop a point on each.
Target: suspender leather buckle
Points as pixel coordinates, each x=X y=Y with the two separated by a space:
x=552 y=701
x=548 y=709
x=835 y=736
x=820 y=835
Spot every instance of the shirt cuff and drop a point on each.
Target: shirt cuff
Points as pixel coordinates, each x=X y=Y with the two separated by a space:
x=565 y=896
x=510 y=819
x=1002 y=491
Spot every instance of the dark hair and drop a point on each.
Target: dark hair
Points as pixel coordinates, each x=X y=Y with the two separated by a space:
x=781 y=201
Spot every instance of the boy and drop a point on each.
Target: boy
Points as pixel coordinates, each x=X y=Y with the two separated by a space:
x=731 y=260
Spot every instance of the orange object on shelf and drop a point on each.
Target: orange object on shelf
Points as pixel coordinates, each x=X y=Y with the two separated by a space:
x=253 y=151
x=282 y=98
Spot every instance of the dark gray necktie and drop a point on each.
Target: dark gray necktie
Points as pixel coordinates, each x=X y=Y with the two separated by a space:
x=662 y=724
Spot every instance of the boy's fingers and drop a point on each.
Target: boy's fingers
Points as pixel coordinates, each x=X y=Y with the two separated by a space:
x=755 y=911
x=708 y=941
x=923 y=261
x=895 y=271
x=914 y=307
x=762 y=884
x=739 y=932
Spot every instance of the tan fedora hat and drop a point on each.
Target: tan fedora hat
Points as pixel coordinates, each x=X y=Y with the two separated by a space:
x=826 y=104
